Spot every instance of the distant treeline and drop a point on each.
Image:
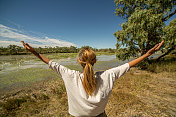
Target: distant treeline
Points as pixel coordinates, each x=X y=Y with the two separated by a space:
x=17 y=50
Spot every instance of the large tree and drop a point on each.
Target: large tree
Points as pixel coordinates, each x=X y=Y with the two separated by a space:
x=145 y=26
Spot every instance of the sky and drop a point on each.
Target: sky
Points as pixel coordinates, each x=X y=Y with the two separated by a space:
x=59 y=23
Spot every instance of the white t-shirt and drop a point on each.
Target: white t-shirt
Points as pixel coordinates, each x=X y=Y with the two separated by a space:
x=80 y=104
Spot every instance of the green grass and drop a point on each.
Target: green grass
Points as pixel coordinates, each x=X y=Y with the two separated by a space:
x=25 y=77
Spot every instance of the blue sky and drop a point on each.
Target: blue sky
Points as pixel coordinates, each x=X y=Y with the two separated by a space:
x=59 y=22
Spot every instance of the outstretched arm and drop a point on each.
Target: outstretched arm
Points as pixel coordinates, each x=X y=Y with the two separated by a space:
x=29 y=48
x=150 y=52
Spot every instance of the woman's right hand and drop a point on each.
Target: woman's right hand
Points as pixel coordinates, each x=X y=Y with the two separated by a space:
x=155 y=48
x=28 y=47
x=150 y=52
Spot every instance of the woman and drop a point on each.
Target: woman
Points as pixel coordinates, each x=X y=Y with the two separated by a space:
x=88 y=92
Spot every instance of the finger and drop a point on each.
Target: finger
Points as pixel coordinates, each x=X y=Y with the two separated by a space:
x=22 y=42
x=155 y=46
x=160 y=44
x=28 y=45
x=25 y=45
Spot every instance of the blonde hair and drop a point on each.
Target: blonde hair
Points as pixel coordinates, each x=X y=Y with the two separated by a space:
x=87 y=58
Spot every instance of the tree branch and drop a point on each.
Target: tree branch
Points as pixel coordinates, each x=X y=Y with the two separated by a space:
x=169 y=51
x=167 y=17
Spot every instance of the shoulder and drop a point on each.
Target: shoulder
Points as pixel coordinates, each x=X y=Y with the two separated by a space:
x=123 y=67
x=114 y=72
x=61 y=69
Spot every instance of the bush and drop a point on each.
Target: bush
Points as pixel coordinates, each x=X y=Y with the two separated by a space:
x=167 y=64
x=12 y=104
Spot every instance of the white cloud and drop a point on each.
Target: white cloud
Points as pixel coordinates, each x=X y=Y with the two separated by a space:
x=7 y=43
x=16 y=36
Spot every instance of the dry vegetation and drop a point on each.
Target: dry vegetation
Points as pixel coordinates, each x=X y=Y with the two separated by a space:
x=136 y=94
x=143 y=94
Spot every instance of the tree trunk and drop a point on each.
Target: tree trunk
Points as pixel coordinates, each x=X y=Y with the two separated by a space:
x=169 y=51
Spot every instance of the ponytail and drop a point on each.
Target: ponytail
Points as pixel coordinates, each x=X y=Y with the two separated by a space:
x=89 y=82
x=87 y=58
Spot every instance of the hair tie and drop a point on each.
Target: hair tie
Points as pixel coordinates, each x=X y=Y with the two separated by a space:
x=87 y=62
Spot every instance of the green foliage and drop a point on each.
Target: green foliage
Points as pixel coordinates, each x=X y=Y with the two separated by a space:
x=109 y=50
x=170 y=33
x=122 y=54
x=144 y=27
x=125 y=8
x=17 y=50
x=11 y=49
x=57 y=49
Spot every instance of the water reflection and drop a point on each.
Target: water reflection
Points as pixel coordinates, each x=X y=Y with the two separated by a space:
x=15 y=63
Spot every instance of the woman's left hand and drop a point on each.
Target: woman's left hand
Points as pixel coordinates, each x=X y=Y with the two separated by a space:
x=28 y=47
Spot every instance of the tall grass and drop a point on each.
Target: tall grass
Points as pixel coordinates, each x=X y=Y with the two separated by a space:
x=150 y=93
x=44 y=99
x=167 y=64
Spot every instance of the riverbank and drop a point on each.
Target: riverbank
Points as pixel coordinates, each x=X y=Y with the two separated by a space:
x=137 y=93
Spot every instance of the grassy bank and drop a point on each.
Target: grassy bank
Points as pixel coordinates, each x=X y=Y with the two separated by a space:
x=138 y=93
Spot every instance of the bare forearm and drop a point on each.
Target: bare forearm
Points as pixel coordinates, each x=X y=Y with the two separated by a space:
x=150 y=52
x=41 y=57
x=138 y=60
